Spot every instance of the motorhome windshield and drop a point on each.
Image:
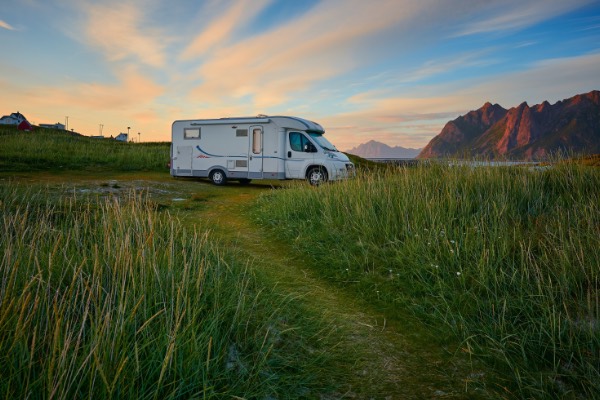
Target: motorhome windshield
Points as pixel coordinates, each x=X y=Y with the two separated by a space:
x=321 y=141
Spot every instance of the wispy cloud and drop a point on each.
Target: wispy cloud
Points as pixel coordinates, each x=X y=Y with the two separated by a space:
x=509 y=15
x=414 y=118
x=6 y=25
x=130 y=91
x=323 y=43
x=221 y=29
x=551 y=79
x=121 y=30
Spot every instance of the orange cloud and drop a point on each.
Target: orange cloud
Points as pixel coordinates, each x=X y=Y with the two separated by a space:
x=120 y=31
x=130 y=101
x=321 y=44
x=221 y=29
x=131 y=90
x=6 y=25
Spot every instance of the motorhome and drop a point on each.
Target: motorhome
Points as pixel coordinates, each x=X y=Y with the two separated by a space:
x=262 y=147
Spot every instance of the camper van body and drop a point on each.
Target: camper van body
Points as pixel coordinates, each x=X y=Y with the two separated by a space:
x=262 y=147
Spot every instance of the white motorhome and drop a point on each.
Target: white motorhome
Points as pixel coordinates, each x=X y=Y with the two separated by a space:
x=262 y=147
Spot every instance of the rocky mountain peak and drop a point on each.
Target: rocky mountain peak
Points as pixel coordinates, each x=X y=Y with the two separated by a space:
x=522 y=132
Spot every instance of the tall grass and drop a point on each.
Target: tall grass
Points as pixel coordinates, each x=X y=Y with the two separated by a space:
x=48 y=149
x=505 y=258
x=108 y=298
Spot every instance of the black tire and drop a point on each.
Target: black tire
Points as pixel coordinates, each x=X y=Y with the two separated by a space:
x=245 y=181
x=317 y=176
x=218 y=177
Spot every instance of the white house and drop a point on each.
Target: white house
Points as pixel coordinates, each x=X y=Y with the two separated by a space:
x=121 y=137
x=12 y=119
x=57 y=125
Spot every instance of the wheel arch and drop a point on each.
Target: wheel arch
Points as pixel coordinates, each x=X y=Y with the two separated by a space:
x=311 y=166
x=222 y=168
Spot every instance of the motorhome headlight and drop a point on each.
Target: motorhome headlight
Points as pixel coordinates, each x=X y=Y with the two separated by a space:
x=333 y=156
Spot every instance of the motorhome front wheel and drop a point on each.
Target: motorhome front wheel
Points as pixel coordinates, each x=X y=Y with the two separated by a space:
x=317 y=176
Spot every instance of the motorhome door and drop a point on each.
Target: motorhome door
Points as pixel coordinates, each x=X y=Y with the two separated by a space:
x=255 y=153
x=184 y=160
x=299 y=153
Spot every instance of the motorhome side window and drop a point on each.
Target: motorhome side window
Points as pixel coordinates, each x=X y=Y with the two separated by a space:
x=256 y=140
x=191 y=133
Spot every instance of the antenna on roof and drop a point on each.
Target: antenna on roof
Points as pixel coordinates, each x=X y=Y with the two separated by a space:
x=261 y=116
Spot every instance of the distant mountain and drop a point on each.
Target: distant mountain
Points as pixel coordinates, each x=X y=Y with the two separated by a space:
x=374 y=149
x=523 y=132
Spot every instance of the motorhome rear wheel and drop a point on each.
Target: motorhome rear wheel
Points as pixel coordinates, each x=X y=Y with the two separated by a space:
x=218 y=177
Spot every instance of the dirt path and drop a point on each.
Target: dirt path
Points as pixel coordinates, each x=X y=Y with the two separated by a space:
x=396 y=360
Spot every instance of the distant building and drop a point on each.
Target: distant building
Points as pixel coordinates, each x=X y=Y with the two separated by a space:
x=13 y=119
x=121 y=137
x=57 y=125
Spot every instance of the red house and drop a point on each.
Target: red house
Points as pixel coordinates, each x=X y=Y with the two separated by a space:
x=25 y=126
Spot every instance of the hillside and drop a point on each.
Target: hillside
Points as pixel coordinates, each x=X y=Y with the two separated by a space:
x=522 y=132
x=49 y=149
x=374 y=149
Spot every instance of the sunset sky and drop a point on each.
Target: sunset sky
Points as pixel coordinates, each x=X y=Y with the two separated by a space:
x=394 y=71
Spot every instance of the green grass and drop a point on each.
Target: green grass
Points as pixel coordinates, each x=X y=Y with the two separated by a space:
x=110 y=295
x=503 y=258
x=48 y=149
x=105 y=296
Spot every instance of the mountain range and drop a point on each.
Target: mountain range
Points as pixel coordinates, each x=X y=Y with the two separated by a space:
x=522 y=132
x=374 y=149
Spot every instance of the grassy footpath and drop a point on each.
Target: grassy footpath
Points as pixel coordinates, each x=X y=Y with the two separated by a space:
x=366 y=354
x=506 y=259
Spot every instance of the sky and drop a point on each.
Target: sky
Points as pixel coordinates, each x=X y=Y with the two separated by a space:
x=394 y=71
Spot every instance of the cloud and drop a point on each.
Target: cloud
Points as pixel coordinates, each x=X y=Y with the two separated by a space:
x=323 y=43
x=397 y=121
x=509 y=15
x=6 y=25
x=220 y=30
x=550 y=79
x=121 y=30
x=131 y=91
x=130 y=100
x=417 y=116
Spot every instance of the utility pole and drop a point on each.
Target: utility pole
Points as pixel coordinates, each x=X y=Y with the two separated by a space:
x=101 y=126
x=139 y=138
x=66 y=123
x=128 y=128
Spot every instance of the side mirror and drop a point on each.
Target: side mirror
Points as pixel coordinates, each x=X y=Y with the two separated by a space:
x=310 y=148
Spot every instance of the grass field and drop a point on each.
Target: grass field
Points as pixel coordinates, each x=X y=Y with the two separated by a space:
x=504 y=258
x=117 y=280
x=106 y=296
x=48 y=149
x=105 y=292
